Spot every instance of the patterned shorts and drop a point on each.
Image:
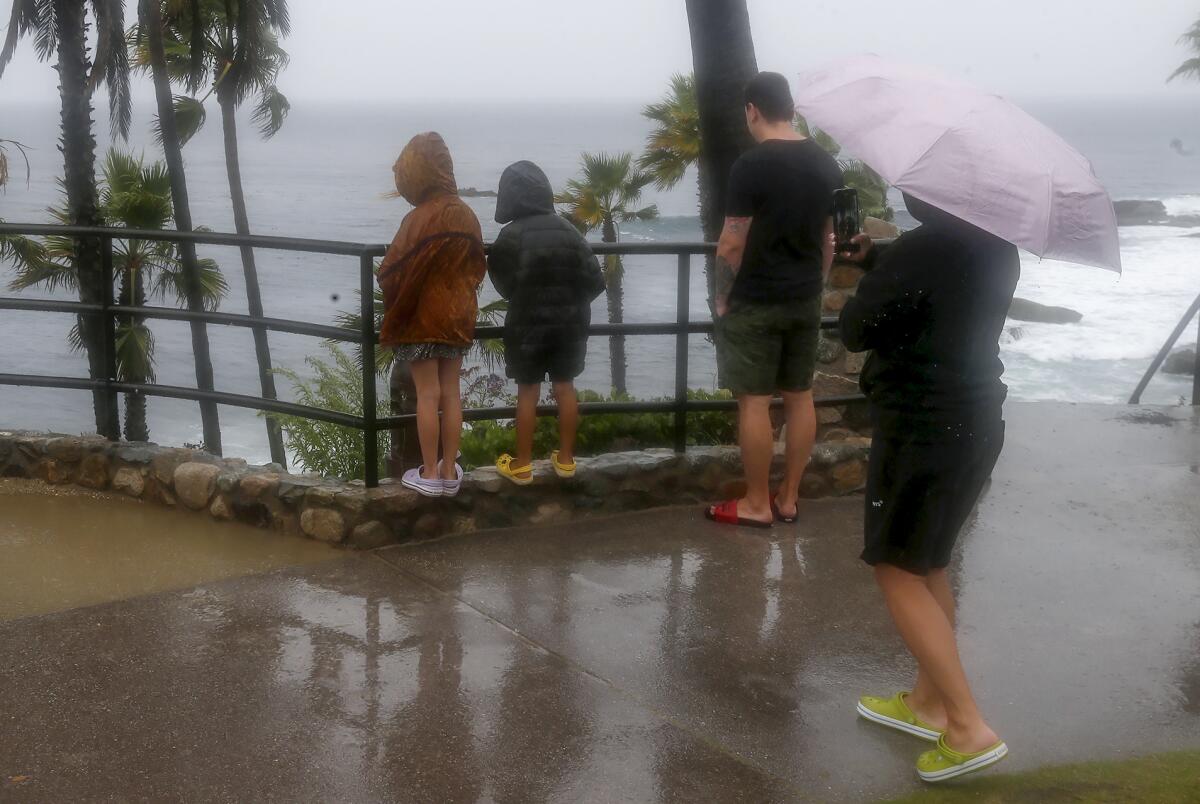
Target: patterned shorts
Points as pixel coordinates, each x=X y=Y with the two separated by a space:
x=416 y=352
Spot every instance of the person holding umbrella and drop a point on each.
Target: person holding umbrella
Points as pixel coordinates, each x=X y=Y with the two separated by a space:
x=982 y=178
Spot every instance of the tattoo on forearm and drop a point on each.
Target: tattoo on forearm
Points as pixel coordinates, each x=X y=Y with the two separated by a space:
x=725 y=277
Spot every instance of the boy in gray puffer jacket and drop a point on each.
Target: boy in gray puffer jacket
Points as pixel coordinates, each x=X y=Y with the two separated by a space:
x=550 y=277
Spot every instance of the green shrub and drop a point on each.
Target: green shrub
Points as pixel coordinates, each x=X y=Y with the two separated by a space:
x=329 y=449
x=483 y=441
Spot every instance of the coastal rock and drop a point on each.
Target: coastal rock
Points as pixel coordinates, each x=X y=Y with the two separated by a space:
x=1181 y=362
x=829 y=349
x=258 y=485
x=471 y=192
x=65 y=449
x=845 y=275
x=879 y=229
x=1140 y=213
x=52 y=472
x=835 y=300
x=848 y=476
x=828 y=414
x=195 y=483
x=1025 y=310
x=323 y=523
x=220 y=509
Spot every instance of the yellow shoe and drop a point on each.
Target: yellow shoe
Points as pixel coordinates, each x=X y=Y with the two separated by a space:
x=564 y=470
x=945 y=763
x=504 y=465
x=894 y=713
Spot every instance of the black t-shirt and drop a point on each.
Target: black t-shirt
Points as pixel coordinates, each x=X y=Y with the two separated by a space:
x=787 y=187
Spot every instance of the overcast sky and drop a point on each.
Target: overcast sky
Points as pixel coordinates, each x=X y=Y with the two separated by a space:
x=387 y=50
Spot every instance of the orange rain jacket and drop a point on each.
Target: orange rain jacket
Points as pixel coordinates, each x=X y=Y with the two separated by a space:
x=432 y=271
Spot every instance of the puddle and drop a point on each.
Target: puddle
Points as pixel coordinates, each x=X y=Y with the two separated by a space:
x=62 y=549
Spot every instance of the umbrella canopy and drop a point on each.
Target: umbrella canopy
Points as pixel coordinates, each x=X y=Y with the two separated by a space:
x=969 y=152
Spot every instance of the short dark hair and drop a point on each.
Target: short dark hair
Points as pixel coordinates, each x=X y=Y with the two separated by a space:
x=771 y=95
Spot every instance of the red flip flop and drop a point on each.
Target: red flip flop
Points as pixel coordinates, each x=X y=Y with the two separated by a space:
x=727 y=514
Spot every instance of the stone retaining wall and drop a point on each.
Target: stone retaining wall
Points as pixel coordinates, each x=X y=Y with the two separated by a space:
x=349 y=513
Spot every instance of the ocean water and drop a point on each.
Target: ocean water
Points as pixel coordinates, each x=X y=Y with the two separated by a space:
x=327 y=175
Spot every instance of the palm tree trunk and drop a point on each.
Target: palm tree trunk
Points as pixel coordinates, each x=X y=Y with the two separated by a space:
x=151 y=20
x=241 y=224
x=79 y=173
x=133 y=294
x=723 y=61
x=614 y=277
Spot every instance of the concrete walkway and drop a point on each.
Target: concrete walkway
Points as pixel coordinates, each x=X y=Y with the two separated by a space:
x=653 y=657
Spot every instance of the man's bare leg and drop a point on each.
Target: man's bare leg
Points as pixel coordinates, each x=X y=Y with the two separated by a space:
x=925 y=701
x=758 y=449
x=801 y=434
x=930 y=638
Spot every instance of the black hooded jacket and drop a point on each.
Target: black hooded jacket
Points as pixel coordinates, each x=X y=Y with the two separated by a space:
x=933 y=309
x=541 y=265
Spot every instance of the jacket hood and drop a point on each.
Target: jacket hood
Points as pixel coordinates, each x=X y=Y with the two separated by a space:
x=425 y=169
x=524 y=191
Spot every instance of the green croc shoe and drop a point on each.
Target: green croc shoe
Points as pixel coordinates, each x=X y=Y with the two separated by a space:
x=894 y=713
x=944 y=762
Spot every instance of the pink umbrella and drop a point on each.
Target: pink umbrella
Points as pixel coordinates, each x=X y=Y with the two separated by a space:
x=971 y=153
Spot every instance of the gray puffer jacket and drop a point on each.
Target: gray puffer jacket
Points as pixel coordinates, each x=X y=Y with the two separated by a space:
x=542 y=266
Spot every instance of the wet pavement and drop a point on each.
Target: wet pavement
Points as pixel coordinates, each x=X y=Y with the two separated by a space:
x=651 y=657
x=62 y=548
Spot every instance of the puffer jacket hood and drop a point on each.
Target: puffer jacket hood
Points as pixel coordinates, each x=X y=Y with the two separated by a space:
x=524 y=191
x=425 y=169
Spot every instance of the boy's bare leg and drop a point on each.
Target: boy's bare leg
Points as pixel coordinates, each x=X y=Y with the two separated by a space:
x=568 y=420
x=801 y=433
x=528 y=397
x=426 y=378
x=758 y=449
x=930 y=638
x=925 y=699
x=452 y=418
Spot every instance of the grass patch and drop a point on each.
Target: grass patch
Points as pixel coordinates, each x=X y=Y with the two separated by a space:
x=1167 y=778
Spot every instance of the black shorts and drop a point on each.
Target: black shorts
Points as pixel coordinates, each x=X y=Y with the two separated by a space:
x=920 y=493
x=561 y=361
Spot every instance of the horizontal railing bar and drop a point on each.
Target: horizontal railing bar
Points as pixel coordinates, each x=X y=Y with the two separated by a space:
x=238 y=320
x=339 y=247
x=273 y=242
x=48 y=306
x=665 y=328
x=189 y=394
x=593 y=408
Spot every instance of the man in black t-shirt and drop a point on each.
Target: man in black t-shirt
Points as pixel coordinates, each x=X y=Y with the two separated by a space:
x=775 y=249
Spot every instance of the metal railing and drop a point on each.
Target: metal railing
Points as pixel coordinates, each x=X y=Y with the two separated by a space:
x=1165 y=351
x=369 y=422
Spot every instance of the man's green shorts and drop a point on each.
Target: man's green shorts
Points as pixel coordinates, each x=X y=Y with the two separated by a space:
x=763 y=349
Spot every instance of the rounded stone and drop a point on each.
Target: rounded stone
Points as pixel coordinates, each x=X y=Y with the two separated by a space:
x=844 y=275
x=220 y=509
x=258 y=485
x=848 y=475
x=129 y=482
x=370 y=535
x=195 y=484
x=323 y=523
x=93 y=472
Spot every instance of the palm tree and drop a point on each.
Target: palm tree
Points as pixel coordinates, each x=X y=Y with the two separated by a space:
x=723 y=60
x=151 y=31
x=59 y=29
x=1191 y=67
x=607 y=193
x=871 y=187
x=135 y=196
x=4 y=170
x=231 y=48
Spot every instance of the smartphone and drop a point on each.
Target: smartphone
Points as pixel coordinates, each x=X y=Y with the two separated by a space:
x=847 y=219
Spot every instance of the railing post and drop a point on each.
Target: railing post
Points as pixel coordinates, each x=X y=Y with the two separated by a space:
x=1196 y=368
x=367 y=311
x=108 y=330
x=682 y=317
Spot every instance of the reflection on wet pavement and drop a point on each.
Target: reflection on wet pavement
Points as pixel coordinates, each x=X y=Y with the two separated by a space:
x=652 y=657
x=63 y=549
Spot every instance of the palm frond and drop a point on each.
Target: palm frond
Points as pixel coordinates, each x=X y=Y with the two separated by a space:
x=189 y=117
x=111 y=64
x=29 y=16
x=674 y=144
x=135 y=352
x=271 y=111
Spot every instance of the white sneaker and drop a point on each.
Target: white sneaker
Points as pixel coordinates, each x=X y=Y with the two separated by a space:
x=427 y=488
x=451 y=488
